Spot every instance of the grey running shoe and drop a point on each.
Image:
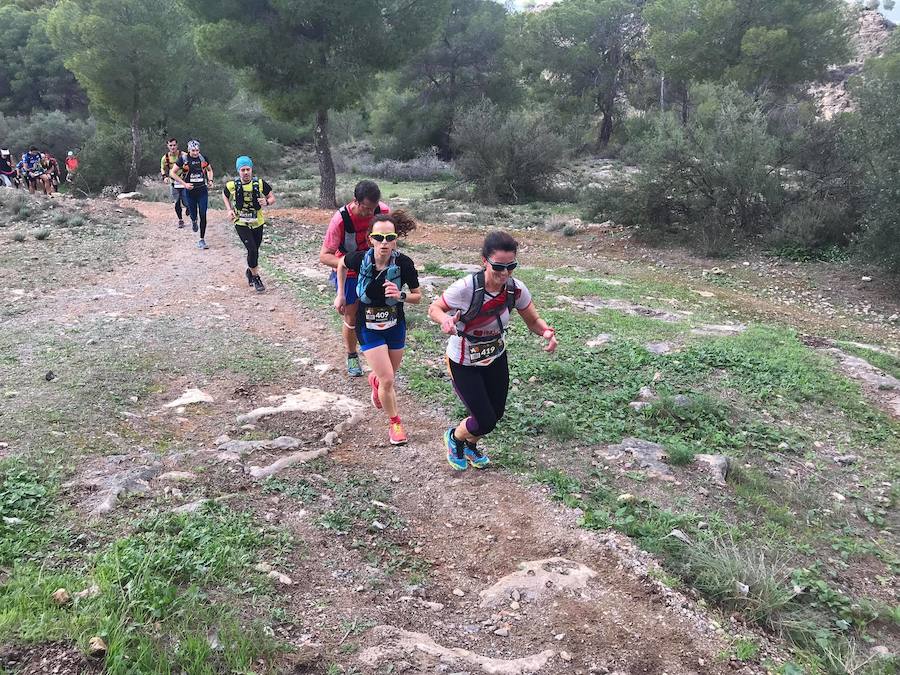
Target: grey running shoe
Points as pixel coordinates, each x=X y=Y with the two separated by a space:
x=258 y=284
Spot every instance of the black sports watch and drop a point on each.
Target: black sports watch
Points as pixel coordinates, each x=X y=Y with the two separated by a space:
x=402 y=296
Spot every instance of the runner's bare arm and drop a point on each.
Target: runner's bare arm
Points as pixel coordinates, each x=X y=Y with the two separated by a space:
x=438 y=312
x=328 y=257
x=340 y=300
x=228 y=206
x=414 y=295
x=538 y=326
x=178 y=179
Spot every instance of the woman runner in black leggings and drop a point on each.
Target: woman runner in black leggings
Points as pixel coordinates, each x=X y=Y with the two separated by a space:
x=475 y=312
x=244 y=198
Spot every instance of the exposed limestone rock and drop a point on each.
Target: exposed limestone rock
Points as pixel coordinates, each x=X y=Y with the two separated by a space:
x=246 y=447
x=461 y=267
x=594 y=304
x=176 y=476
x=719 y=330
x=111 y=482
x=190 y=396
x=537 y=579
x=648 y=455
x=307 y=399
x=395 y=643
x=718 y=467
x=860 y=369
x=297 y=458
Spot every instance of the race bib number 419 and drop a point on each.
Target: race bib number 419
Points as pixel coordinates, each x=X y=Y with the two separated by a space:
x=485 y=350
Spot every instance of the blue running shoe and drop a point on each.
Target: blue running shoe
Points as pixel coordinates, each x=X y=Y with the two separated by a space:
x=455 y=453
x=353 y=366
x=475 y=457
x=202 y=244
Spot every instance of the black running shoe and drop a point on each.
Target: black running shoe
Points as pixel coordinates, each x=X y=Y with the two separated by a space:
x=249 y=277
x=258 y=284
x=195 y=227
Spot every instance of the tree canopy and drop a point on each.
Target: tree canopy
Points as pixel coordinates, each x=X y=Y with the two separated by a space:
x=306 y=57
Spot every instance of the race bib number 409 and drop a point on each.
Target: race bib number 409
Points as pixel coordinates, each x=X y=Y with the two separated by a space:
x=381 y=318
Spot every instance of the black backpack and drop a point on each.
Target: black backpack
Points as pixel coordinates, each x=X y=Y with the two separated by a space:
x=256 y=184
x=477 y=303
x=349 y=244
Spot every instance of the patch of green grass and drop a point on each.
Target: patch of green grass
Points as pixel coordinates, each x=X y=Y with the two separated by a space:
x=300 y=490
x=155 y=601
x=745 y=649
x=42 y=234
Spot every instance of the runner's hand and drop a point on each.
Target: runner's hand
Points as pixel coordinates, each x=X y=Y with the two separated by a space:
x=263 y=202
x=231 y=214
x=340 y=303
x=166 y=180
x=188 y=186
x=551 y=341
x=448 y=325
x=391 y=290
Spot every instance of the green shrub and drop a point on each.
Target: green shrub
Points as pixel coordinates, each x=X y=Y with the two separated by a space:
x=508 y=156
x=813 y=225
x=878 y=138
x=53 y=131
x=18 y=236
x=42 y=234
x=712 y=176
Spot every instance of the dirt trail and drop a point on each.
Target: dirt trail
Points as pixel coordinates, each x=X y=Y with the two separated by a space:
x=474 y=528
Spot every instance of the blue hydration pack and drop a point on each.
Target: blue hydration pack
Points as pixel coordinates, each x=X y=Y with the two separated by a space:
x=367 y=273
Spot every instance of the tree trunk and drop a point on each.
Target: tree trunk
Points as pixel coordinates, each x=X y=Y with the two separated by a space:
x=132 y=180
x=327 y=180
x=606 y=129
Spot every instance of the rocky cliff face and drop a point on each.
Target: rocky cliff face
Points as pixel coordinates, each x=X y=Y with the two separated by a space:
x=869 y=40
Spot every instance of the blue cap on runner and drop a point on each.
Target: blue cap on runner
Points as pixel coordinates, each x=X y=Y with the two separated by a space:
x=242 y=161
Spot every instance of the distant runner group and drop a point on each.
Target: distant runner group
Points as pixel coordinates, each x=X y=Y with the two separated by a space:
x=35 y=170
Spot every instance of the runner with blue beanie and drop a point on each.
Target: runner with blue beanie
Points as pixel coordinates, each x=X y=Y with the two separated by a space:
x=245 y=197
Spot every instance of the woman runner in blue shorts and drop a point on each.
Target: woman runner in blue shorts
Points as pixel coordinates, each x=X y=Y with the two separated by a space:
x=380 y=322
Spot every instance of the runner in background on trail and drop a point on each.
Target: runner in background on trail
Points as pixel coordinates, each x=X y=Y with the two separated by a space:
x=170 y=159
x=244 y=198
x=51 y=166
x=196 y=177
x=347 y=232
x=34 y=170
x=71 y=165
x=475 y=311
x=8 y=174
x=381 y=273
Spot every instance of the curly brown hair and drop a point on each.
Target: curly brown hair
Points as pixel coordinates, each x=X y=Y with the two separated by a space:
x=402 y=221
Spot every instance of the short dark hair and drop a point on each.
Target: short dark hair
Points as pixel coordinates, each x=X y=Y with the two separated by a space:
x=367 y=190
x=33 y=147
x=171 y=139
x=498 y=241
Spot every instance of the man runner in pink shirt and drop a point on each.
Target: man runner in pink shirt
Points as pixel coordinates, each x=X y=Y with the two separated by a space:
x=348 y=232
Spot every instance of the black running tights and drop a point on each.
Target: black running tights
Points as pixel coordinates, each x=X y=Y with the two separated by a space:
x=483 y=390
x=252 y=238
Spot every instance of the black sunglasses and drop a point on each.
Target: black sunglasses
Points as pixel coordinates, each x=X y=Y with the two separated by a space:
x=499 y=267
x=378 y=237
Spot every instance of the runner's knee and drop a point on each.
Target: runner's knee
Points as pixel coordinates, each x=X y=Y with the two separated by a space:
x=481 y=424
